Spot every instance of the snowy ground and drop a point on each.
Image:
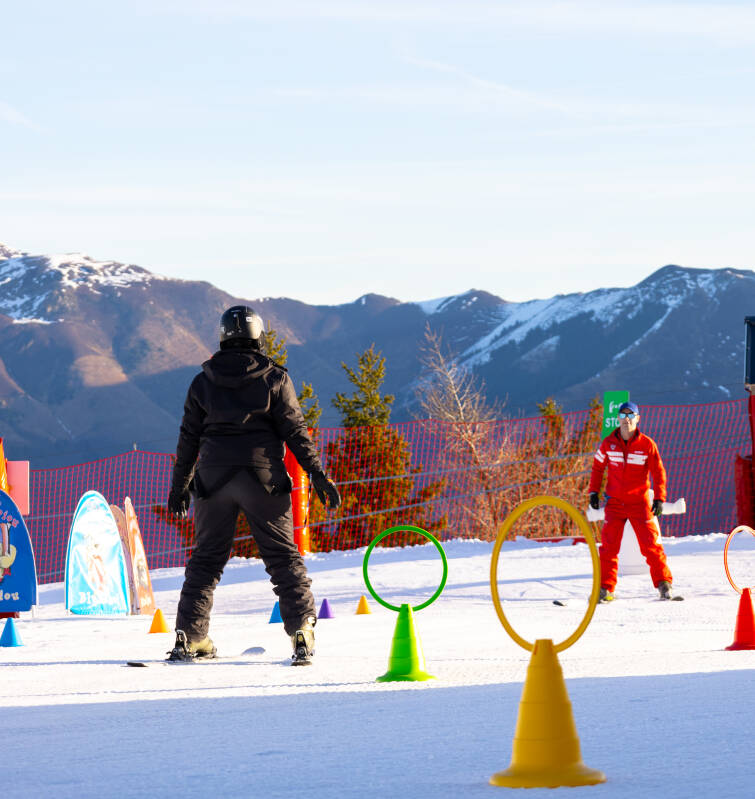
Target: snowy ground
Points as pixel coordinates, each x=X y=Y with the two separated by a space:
x=660 y=706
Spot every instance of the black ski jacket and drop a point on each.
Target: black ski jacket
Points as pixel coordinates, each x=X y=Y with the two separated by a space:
x=238 y=412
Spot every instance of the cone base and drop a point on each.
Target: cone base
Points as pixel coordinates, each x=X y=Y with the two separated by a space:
x=413 y=676
x=568 y=776
x=735 y=646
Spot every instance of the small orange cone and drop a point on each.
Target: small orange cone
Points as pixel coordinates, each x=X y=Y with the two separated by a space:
x=744 y=632
x=158 y=623
x=363 y=607
x=545 y=752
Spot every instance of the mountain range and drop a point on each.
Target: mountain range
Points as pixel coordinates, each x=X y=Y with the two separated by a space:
x=96 y=356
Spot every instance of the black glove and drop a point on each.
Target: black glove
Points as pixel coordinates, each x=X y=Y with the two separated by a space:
x=594 y=500
x=178 y=503
x=657 y=507
x=326 y=489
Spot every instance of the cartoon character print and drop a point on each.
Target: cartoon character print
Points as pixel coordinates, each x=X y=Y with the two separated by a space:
x=95 y=564
x=7 y=551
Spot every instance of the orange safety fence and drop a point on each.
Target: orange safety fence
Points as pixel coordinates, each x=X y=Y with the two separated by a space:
x=455 y=481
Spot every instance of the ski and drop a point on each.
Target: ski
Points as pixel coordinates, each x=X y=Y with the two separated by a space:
x=676 y=598
x=251 y=652
x=164 y=662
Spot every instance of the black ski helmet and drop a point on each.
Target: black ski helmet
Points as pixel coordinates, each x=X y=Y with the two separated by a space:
x=240 y=323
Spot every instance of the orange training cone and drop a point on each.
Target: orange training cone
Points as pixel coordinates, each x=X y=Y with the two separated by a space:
x=158 y=623
x=545 y=752
x=744 y=632
x=363 y=607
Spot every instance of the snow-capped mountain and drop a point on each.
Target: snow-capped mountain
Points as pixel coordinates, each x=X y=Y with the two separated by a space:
x=675 y=337
x=97 y=355
x=34 y=287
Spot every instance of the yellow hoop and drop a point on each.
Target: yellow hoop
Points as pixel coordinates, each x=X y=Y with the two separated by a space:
x=503 y=531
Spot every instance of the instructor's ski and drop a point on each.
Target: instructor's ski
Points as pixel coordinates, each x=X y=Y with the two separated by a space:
x=676 y=598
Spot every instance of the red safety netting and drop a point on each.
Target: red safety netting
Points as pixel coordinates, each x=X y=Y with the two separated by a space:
x=452 y=481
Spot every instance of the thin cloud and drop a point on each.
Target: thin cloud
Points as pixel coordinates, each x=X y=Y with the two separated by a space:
x=625 y=116
x=727 y=22
x=14 y=117
x=501 y=89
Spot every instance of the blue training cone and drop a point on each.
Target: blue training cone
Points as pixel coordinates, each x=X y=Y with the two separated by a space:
x=325 y=611
x=275 y=616
x=10 y=634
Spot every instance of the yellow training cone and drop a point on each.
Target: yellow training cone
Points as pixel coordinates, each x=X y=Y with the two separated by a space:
x=545 y=752
x=363 y=607
x=158 y=623
x=407 y=661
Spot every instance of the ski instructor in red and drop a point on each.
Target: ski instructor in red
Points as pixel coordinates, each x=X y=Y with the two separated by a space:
x=631 y=458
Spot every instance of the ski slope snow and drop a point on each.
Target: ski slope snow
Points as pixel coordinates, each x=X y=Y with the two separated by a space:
x=660 y=706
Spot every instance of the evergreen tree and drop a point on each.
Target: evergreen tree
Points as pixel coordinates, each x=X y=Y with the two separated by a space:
x=274 y=346
x=553 y=416
x=366 y=407
x=371 y=462
x=310 y=407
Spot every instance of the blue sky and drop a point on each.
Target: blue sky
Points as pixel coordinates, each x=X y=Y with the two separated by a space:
x=322 y=150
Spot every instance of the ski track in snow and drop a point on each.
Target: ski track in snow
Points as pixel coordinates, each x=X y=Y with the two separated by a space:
x=660 y=706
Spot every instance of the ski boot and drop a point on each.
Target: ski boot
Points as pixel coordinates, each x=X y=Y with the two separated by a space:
x=664 y=589
x=185 y=651
x=303 y=641
x=605 y=596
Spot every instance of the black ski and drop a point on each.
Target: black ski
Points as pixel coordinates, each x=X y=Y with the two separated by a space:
x=252 y=651
x=675 y=598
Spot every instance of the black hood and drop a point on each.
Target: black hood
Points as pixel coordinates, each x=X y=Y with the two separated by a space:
x=235 y=368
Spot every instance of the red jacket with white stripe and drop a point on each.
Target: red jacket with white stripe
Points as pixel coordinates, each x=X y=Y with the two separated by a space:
x=630 y=465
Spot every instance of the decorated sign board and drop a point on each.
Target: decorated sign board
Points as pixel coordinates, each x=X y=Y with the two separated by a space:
x=141 y=597
x=145 y=600
x=120 y=521
x=96 y=571
x=18 y=573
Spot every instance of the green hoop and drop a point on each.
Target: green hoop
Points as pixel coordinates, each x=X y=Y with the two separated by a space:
x=411 y=529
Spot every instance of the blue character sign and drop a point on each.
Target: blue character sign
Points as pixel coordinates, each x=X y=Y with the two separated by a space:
x=96 y=574
x=18 y=573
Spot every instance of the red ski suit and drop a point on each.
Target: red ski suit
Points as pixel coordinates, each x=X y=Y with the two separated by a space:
x=630 y=465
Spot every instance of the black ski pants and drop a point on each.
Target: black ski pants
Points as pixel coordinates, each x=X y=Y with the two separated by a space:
x=271 y=521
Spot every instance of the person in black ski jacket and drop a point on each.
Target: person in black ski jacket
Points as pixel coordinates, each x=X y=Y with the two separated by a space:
x=239 y=411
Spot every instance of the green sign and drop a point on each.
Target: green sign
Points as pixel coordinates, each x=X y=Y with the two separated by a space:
x=611 y=403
